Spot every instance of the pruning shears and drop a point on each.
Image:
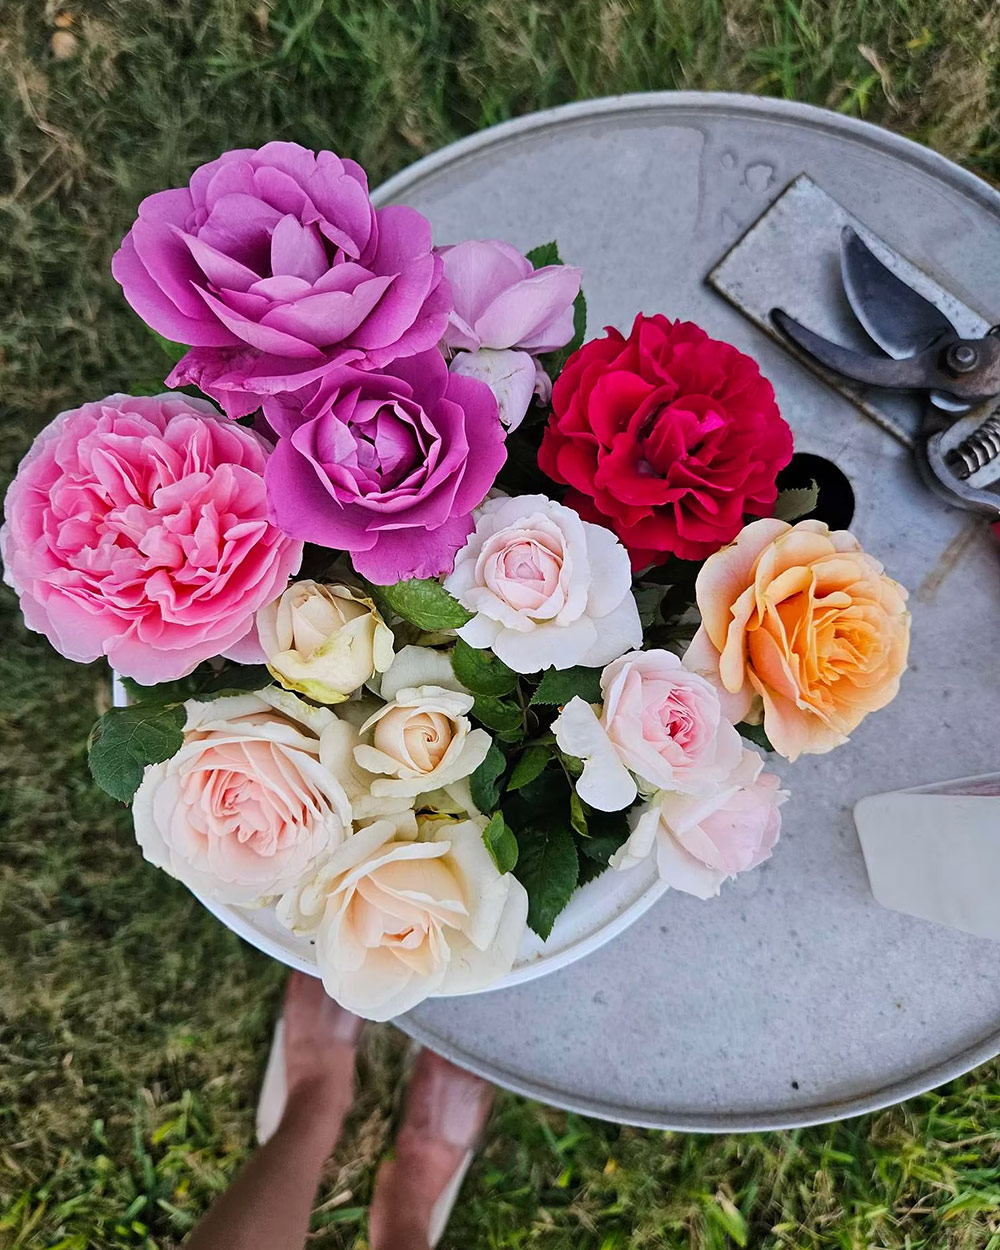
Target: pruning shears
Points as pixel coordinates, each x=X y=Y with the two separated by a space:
x=959 y=446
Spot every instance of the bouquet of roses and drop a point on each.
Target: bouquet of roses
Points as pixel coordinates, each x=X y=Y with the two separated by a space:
x=436 y=611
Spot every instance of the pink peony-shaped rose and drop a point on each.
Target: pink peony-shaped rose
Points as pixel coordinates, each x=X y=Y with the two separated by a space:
x=280 y=249
x=700 y=840
x=659 y=723
x=501 y=300
x=387 y=466
x=137 y=528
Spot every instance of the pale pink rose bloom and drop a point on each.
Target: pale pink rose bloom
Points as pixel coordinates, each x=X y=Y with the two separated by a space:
x=658 y=723
x=700 y=841
x=407 y=907
x=547 y=588
x=501 y=300
x=137 y=528
x=251 y=800
x=513 y=377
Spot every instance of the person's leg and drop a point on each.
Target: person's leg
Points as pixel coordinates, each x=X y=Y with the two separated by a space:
x=268 y=1206
x=445 y=1113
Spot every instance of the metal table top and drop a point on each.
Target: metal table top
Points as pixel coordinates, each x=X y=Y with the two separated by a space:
x=793 y=998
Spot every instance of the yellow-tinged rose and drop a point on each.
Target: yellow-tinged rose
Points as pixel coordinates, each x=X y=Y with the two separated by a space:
x=324 y=641
x=800 y=623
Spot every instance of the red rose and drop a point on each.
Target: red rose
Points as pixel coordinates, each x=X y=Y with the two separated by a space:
x=667 y=438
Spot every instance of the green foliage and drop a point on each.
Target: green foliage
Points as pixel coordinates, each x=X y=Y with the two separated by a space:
x=174 y=351
x=502 y=716
x=559 y=685
x=796 y=502
x=501 y=843
x=545 y=254
x=205 y=684
x=548 y=867
x=480 y=672
x=423 y=602
x=755 y=734
x=530 y=764
x=126 y=739
x=485 y=781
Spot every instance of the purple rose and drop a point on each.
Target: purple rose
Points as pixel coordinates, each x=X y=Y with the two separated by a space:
x=280 y=250
x=387 y=466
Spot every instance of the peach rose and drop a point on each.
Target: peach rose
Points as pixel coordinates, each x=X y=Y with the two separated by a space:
x=252 y=800
x=801 y=624
x=406 y=907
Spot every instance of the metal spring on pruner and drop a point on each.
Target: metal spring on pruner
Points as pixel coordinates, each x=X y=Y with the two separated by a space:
x=980 y=448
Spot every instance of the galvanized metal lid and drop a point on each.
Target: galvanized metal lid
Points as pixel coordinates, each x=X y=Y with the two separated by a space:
x=794 y=998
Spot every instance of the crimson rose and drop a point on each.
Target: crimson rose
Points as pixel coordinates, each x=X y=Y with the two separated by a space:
x=667 y=437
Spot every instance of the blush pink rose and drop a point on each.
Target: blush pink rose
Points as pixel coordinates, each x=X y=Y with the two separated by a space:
x=547 y=589
x=251 y=801
x=137 y=528
x=700 y=841
x=274 y=259
x=659 y=724
x=500 y=300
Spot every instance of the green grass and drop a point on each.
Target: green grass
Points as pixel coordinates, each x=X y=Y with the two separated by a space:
x=133 y=1028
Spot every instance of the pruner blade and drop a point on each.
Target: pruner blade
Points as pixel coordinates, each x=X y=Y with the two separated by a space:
x=928 y=370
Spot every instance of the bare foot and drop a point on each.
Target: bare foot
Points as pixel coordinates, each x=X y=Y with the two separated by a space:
x=445 y=1114
x=319 y=1042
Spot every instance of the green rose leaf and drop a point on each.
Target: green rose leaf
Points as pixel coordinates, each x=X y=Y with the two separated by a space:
x=756 y=735
x=126 y=739
x=174 y=350
x=548 y=867
x=501 y=715
x=796 y=502
x=501 y=843
x=424 y=603
x=204 y=684
x=544 y=254
x=485 y=781
x=480 y=672
x=560 y=685
x=531 y=765
x=578 y=815
x=608 y=831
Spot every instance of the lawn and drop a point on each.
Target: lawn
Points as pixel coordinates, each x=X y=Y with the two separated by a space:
x=133 y=1027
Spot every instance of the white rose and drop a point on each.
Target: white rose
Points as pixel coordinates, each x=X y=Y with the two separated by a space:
x=406 y=908
x=420 y=739
x=251 y=800
x=324 y=641
x=547 y=588
x=702 y=840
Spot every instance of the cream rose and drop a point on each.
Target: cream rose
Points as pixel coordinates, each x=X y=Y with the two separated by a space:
x=702 y=840
x=421 y=738
x=251 y=800
x=659 y=723
x=324 y=641
x=799 y=623
x=406 y=908
x=548 y=589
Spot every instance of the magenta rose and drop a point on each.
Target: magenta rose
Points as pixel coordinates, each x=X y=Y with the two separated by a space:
x=280 y=250
x=387 y=466
x=138 y=529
